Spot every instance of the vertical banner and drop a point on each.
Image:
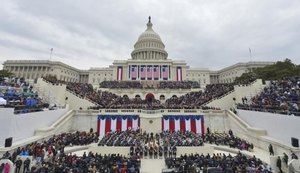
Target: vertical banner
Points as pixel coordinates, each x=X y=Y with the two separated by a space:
x=182 y=124
x=165 y=72
x=149 y=72
x=172 y=124
x=111 y=123
x=193 y=123
x=179 y=74
x=138 y=70
x=143 y=72
x=135 y=122
x=119 y=73
x=188 y=124
x=155 y=72
x=124 y=123
x=166 y=123
x=133 y=72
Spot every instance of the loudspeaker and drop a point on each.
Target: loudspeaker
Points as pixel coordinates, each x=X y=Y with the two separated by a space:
x=8 y=142
x=295 y=142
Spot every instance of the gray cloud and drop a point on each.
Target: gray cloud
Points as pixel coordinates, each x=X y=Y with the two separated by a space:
x=212 y=34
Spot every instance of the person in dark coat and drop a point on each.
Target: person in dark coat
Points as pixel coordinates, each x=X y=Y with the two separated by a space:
x=160 y=151
x=285 y=158
x=278 y=164
x=271 y=151
x=26 y=165
x=165 y=151
x=18 y=165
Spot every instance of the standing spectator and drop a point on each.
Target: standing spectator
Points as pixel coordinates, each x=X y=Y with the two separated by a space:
x=285 y=158
x=278 y=164
x=7 y=168
x=18 y=165
x=2 y=167
x=26 y=165
x=230 y=133
x=208 y=130
x=294 y=156
x=271 y=150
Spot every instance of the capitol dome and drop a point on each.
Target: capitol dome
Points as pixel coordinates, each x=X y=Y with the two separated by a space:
x=149 y=46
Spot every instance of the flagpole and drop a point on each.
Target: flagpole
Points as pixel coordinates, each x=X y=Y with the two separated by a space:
x=51 y=50
x=250 y=52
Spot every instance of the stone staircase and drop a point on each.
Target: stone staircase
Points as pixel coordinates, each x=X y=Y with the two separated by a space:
x=47 y=96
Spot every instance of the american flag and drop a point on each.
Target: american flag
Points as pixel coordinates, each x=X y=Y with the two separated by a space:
x=155 y=72
x=165 y=72
x=133 y=72
x=149 y=72
x=143 y=71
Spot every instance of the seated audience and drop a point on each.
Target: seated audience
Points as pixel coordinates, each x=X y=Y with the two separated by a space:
x=281 y=97
x=221 y=162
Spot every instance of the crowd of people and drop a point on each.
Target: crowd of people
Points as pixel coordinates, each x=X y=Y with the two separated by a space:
x=160 y=84
x=20 y=96
x=50 y=156
x=178 y=84
x=53 y=145
x=195 y=100
x=193 y=163
x=90 y=163
x=164 y=144
x=281 y=96
x=121 y=84
x=246 y=81
x=105 y=99
x=229 y=140
x=165 y=138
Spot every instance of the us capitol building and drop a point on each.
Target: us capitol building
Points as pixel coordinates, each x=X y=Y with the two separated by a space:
x=148 y=63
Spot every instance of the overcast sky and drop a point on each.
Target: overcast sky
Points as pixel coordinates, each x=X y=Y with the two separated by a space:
x=205 y=33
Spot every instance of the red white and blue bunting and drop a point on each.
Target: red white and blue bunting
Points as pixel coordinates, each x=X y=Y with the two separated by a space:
x=108 y=123
x=194 y=123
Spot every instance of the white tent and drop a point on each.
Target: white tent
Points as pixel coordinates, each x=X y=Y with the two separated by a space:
x=2 y=101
